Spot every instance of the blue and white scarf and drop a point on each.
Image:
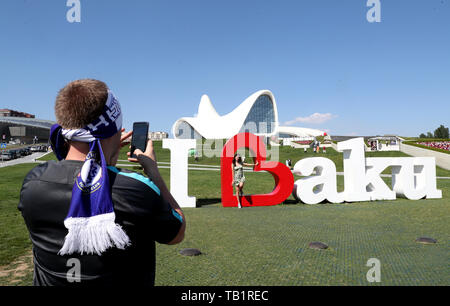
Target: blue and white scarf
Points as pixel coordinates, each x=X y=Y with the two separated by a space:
x=91 y=218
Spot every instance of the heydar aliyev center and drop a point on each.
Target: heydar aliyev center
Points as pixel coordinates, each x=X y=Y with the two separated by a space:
x=258 y=114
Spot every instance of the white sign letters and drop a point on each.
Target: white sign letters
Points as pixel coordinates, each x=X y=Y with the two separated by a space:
x=179 y=149
x=413 y=178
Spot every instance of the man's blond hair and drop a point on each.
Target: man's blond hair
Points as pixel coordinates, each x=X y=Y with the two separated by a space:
x=80 y=102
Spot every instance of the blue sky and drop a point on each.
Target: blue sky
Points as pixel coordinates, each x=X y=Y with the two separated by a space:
x=160 y=57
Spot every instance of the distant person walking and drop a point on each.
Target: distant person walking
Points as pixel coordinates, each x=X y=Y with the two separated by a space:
x=288 y=162
x=238 y=175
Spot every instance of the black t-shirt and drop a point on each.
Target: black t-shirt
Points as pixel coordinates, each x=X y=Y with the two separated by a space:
x=139 y=209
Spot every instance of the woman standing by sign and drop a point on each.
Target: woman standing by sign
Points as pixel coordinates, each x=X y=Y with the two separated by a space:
x=238 y=175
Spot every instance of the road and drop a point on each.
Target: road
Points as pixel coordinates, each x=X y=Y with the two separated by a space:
x=22 y=160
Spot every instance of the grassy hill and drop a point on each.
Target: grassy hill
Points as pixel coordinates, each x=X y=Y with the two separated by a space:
x=269 y=245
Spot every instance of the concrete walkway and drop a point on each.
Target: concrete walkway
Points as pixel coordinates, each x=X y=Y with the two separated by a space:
x=23 y=160
x=442 y=159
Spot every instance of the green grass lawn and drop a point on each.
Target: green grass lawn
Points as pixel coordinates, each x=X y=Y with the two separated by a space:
x=47 y=157
x=269 y=245
x=14 y=239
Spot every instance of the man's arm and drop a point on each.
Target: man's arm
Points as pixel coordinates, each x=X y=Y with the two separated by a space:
x=147 y=160
x=151 y=169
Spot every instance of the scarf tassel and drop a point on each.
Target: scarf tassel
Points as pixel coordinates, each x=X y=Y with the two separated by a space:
x=93 y=235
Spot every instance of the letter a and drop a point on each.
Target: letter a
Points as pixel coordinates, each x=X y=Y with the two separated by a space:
x=74 y=274
x=374 y=14
x=74 y=14
x=314 y=189
x=374 y=273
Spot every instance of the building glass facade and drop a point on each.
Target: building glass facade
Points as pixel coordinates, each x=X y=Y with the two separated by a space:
x=261 y=118
x=25 y=134
x=284 y=135
x=185 y=131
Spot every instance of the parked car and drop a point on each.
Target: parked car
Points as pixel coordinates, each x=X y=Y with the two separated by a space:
x=22 y=152
x=34 y=149
x=6 y=156
x=12 y=153
x=15 y=153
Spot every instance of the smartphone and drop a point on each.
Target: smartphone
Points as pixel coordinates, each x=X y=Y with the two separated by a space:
x=140 y=137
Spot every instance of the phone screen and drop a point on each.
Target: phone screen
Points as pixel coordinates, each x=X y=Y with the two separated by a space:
x=140 y=137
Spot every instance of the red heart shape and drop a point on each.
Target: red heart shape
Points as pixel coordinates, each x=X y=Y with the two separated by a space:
x=284 y=179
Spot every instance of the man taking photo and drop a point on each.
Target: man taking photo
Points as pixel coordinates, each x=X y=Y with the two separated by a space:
x=82 y=209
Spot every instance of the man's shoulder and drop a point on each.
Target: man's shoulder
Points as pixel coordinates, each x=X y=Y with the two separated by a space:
x=38 y=180
x=39 y=170
x=59 y=172
x=129 y=179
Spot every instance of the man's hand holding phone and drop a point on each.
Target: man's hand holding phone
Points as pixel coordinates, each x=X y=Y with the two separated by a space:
x=140 y=137
x=150 y=153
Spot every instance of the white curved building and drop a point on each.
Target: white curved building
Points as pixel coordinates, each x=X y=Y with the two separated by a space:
x=258 y=114
x=294 y=132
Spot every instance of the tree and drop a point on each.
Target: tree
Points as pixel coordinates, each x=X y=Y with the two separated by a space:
x=441 y=132
x=429 y=135
x=422 y=135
